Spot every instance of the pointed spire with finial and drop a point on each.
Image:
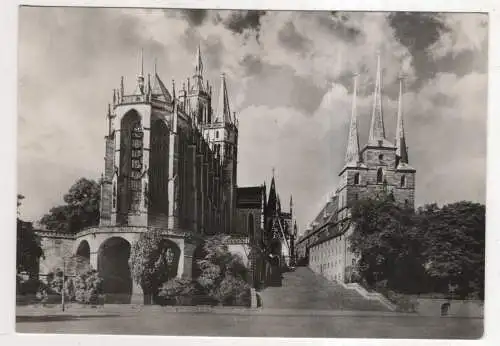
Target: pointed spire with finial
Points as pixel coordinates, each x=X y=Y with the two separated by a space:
x=198 y=69
x=377 y=129
x=223 y=111
x=198 y=72
x=352 y=156
x=401 y=149
x=140 y=76
x=122 y=89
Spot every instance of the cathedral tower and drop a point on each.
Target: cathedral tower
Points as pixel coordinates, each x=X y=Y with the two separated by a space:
x=351 y=183
x=198 y=94
x=222 y=133
x=381 y=167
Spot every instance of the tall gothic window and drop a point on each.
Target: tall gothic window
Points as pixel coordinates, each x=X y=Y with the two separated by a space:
x=380 y=176
x=158 y=176
x=130 y=162
x=250 y=226
x=114 y=195
x=403 y=181
x=356 y=179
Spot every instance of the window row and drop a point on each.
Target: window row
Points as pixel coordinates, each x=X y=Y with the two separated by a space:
x=380 y=178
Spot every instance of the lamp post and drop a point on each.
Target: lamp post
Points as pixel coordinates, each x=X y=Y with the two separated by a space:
x=63 y=283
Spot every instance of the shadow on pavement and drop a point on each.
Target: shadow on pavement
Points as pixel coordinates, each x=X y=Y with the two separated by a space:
x=59 y=318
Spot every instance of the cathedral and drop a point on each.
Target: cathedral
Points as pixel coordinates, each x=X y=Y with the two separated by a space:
x=170 y=159
x=170 y=163
x=380 y=167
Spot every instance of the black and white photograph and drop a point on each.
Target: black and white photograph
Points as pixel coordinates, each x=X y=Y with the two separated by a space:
x=251 y=173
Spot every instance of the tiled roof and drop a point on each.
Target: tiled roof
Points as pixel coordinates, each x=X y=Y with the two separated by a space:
x=249 y=197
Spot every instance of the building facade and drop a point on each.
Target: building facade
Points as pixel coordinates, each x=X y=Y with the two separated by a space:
x=170 y=163
x=381 y=167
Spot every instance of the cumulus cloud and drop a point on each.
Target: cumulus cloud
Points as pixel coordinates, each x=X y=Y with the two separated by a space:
x=289 y=77
x=462 y=32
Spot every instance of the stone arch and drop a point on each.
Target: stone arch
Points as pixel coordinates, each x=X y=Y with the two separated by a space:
x=113 y=267
x=170 y=252
x=129 y=151
x=83 y=249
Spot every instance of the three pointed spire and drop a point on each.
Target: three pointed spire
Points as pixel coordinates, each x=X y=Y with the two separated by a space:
x=198 y=69
x=401 y=149
x=377 y=129
x=352 y=153
x=223 y=110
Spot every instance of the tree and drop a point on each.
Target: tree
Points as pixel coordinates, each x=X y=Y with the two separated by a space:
x=387 y=243
x=223 y=276
x=80 y=211
x=28 y=249
x=455 y=246
x=153 y=261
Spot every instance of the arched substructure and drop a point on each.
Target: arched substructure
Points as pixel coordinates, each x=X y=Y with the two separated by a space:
x=199 y=254
x=82 y=257
x=171 y=254
x=129 y=188
x=113 y=267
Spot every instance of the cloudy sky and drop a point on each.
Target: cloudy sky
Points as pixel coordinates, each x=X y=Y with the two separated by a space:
x=289 y=77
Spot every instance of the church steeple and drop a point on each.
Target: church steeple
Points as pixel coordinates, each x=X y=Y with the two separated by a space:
x=198 y=68
x=352 y=156
x=198 y=72
x=401 y=149
x=377 y=129
x=223 y=111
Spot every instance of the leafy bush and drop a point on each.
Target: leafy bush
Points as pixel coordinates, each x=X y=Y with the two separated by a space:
x=150 y=262
x=177 y=292
x=86 y=287
x=24 y=287
x=233 y=291
x=223 y=275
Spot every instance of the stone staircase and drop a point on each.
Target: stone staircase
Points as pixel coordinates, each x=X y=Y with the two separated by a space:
x=304 y=289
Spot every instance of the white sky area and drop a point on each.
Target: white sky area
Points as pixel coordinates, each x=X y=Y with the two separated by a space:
x=289 y=82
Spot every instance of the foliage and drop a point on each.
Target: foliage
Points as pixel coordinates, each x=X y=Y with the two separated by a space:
x=223 y=276
x=387 y=244
x=28 y=249
x=83 y=288
x=86 y=288
x=81 y=208
x=178 y=292
x=24 y=287
x=149 y=263
x=435 y=249
x=455 y=246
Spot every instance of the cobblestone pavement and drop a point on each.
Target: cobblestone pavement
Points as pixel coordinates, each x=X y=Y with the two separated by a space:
x=305 y=306
x=263 y=323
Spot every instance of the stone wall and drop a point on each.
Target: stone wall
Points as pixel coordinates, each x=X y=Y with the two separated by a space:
x=55 y=248
x=457 y=308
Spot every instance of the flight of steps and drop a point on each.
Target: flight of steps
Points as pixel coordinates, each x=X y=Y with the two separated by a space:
x=304 y=289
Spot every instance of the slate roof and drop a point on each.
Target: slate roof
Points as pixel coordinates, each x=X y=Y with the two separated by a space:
x=249 y=197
